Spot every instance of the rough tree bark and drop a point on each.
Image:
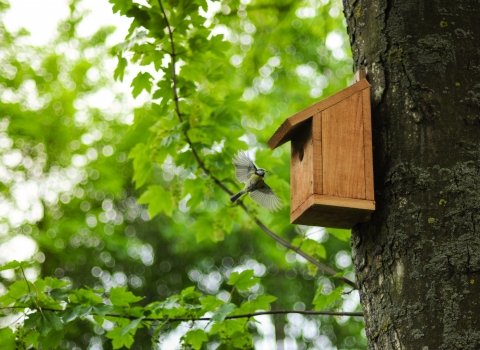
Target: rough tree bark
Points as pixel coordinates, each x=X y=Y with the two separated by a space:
x=418 y=260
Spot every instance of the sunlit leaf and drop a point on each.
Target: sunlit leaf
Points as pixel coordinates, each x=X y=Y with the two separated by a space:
x=243 y=280
x=343 y=235
x=142 y=164
x=143 y=81
x=16 y=264
x=7 y=339
x=321 y=300
x=158 y=199
x=119 y=296
x=120 y=70
x=196 y=338
x=223 y=311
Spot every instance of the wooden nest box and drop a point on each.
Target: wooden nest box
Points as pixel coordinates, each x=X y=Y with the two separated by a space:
x=331 y=159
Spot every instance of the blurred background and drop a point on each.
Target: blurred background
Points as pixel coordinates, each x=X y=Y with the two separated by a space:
x=67 y=196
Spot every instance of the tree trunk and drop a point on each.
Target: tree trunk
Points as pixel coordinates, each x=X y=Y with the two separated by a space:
x=418 y=260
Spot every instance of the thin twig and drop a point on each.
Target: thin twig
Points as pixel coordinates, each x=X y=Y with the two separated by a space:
x=275 y=312
x=253 y=314
x=202 y=166
x=25 y=278
x=173 y=56
x=28 y=286
x=297 y=250
x=14 y=322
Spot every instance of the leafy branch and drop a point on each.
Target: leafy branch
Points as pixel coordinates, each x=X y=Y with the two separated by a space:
x=232 y=317
x=219 y=183
x=56 y=306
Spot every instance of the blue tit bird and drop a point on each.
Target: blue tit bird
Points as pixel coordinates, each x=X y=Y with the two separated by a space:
x=247 y=172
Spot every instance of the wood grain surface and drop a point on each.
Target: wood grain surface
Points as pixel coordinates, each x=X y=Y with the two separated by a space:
x=343 y=149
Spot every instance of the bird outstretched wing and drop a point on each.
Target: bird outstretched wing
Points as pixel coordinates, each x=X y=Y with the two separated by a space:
x=265 y=197
x=244 y=167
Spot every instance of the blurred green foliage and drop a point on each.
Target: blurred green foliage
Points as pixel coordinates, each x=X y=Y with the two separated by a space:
x=120 y=210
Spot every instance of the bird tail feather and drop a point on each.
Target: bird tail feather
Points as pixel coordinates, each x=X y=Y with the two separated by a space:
x=236 y=196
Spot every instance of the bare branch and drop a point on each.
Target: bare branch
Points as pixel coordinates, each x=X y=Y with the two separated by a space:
x=273 y=312
x=219 y=183
x=297 y=250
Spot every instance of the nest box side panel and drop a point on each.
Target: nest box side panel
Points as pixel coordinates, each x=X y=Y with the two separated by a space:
x=317 y=153
x=343 y=149
x=367 y=137
x=301 y=166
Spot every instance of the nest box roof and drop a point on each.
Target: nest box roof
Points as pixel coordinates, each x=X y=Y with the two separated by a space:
x=286 y=131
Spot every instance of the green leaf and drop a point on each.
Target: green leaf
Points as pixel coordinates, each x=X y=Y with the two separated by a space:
x=102 y=309
x=158 y=200
x=214 y=71
x=261 y=302
x=82 y=310
x=131 y=326
x=121 y=6
x=343 y=235
x=7 y=339
x=184 y=126
x=222 y=312
x=243 y=280
x=52 y=340
x=142 y=164
x=230 y=327
x=53 y=320
x=31 y=337
x=203 y=228
x=321 y=301
x=218 y=46
x=242 y=340
x=143 y=81
x=118 y=340
x=195 y=188
x=189 y=293
x=203 y=4
x=196 y=338
x=69 y=314
x=120 y=70
x=210 y=303
x=314 y=248
x=224 y=220
x=170 y=139
x=18 y=289
x=59 y=294
x=155 y=57
x=199 y=40
x=53 y=282
x=14 y=264
x=43 y=322
x=85 y=297
x=164 y=91
x=156 y=26
x=99 y=319
x=120 y=297
x=139 y=14
x=193 y=70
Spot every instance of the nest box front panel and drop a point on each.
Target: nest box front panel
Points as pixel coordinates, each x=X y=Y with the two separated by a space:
x=343 y=149
x=301 y=166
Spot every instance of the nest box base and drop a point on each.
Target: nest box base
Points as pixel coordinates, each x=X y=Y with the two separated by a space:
x=330 y=211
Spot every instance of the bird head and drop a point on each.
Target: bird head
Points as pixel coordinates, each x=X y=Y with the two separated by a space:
x=260 y=172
